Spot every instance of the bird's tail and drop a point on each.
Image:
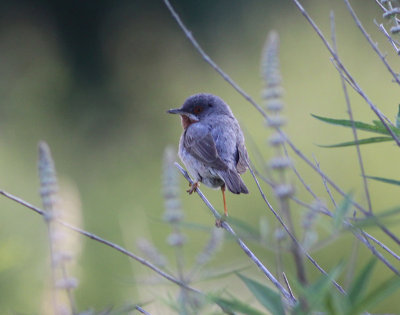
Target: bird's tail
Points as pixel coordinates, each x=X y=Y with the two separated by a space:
x=233 y=181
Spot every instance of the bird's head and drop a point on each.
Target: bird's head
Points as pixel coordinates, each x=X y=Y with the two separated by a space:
x=200 y=106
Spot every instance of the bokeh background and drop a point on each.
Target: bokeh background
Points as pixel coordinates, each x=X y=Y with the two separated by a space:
x=94 y=79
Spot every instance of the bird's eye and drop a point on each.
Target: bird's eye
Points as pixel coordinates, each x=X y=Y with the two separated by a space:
x=209 y=105
x=198 y=109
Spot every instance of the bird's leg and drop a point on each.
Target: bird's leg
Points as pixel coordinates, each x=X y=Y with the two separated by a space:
x=193 y=187
x=223 y=197
x=218 y=222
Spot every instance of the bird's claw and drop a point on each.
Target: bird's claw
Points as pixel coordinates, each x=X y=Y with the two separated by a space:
x=222 y=219
x=193 y=187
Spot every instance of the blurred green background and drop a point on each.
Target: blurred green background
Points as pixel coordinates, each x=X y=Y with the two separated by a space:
x=94 y=79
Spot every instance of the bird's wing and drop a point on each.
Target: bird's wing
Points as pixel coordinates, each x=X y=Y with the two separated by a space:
x=199 y=142
x=241 y=165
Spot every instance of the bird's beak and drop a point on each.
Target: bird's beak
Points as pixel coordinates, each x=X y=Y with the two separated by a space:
x=181 y=112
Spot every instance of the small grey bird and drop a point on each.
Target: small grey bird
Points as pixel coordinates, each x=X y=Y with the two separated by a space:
x=212 y=144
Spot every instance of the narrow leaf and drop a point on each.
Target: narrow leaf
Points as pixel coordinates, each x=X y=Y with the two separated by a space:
x=315 y=294
x=357 y=124
x=270 y=299
x=359 y=142
x=234 y=305
x=340 y=212
x=385 y=180
x=373 y=220
x=360 y=285
x=398 y=118
x=380 y=293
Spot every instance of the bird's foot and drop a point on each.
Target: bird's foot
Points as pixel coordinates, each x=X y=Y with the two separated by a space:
x=193 y=187
x=222 y=219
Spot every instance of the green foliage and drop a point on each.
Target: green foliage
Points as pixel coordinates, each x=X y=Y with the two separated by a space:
x=375 y=127
x=385 y=180
x=384 y=217
x=313 y=296
x=270 y=299
x=340 y=213
x=232 y=305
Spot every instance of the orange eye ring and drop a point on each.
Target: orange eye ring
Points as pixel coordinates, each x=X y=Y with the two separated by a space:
x=198 y=109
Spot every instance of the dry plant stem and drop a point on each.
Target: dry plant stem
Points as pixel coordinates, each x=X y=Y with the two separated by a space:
x=328 y=213
x=391 y=40
x=103 y=241
x=251 y=101
x=373 y=45
x=326 y=184
x=378 y=113
x=209 y=60
x=242 y=245
x=287 y=284
x=52 y=263
x=339 y=190
x=296 y=251
x=290 y=234
x=350 y=112
x=141 y=310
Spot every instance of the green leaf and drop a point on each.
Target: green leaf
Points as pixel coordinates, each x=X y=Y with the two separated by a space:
x=357 y=124
x=377 y=295
x=218 y=274
x=230 y=306
x=373 y=220
x=359 y=142
x=398 y=118
x=341 y=212
x=270 y=299
x=360 y=285
x=315 y=294
x=385 y=180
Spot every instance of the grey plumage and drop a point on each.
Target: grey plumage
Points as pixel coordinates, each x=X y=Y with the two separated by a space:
x=212 y=143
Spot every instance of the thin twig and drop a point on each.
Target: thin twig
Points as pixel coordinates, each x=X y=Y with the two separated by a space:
x=350 y=112
x=328 y=190
x=244 y=247
x=358 y=89
x=103 y=241
x=209 y=60
x=373 y=45
x=141 y=310
x=346 y=223
x=277 y=216
x=287 y=284
x=391 y=40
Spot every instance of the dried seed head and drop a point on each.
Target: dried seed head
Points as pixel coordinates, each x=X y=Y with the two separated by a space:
x=280 y=234
x=276 y=139
x=275 y=121
x=151 y=252
x=283 y=191
x=48 y=179
x=272 y=92
x=270 y=60
x=173 y=209
x=67 y=283
x=280 y=163
x=274 y=105
x=176 y=239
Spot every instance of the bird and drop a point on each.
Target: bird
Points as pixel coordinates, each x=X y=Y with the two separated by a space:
x=212 y=145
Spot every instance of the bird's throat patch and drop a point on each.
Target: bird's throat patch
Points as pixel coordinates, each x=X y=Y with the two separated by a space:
x=186 y=121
